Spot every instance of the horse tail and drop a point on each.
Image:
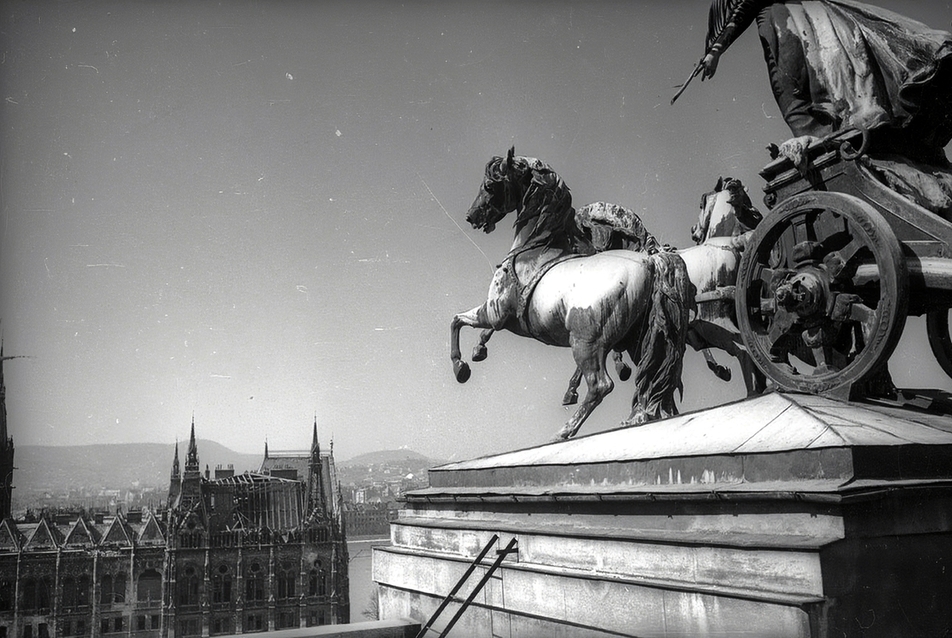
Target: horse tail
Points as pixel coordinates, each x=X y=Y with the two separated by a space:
x=659 y=351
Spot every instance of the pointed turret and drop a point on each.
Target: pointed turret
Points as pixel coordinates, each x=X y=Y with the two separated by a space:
x=315 y=444
x=191 y=460
x=176 y=472
x=175 y=481
x=6 y=448
x=3 y=401
x=315 y=479
x=192 y=476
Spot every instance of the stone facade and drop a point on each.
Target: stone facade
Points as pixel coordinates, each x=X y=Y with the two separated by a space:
x=6 y=450
x=237 y=553
x=784 y=515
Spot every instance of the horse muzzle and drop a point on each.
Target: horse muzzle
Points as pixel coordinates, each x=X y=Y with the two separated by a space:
x=479 y=220
x=696 y=234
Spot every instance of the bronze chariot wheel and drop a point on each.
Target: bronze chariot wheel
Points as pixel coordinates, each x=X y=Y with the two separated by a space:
x=822 y=293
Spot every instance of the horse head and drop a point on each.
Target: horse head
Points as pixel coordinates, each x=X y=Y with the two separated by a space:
x=501 y=191
x=725 y=212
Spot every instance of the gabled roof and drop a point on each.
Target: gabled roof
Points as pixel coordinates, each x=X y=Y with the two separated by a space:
x=10 y=537
x=119 y=533
x=44 y=536
x=82 y=534
x=151 y=533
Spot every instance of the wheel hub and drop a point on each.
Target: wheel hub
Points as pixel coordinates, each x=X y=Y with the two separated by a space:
x=804 y=294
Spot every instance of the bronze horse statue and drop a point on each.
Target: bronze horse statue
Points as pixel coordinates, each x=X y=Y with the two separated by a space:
x=603 y=226
x=592 y=303
x=726 y=220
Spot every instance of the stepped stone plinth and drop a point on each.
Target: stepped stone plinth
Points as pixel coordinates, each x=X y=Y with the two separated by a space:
x=783 y=515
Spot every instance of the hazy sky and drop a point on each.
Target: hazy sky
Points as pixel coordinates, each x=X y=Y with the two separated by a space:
x=253 y=212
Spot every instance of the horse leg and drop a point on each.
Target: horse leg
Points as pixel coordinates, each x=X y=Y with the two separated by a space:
x=475 y=318
x=571 y=394
x=621 y=368
x=590 y=358
x=700 y=344
x=479 y=350
x=721 y=372
x=754 y=379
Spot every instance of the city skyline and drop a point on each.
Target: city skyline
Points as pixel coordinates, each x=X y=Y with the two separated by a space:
x=253 y=214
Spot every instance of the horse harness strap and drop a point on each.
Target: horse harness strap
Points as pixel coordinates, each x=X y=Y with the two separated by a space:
x=526 y=290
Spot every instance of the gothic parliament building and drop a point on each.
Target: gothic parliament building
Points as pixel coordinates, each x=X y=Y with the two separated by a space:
x=233 y=554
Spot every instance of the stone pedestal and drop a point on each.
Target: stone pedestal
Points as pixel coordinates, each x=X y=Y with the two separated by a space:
x=783 y=515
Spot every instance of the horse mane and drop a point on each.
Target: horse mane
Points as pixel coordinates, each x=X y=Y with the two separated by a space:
x=546 y=200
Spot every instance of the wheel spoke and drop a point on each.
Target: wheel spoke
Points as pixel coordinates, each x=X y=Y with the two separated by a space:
x=844 y=266
x=849 y=251
x=764 y=276
x=768 y=275
x=823 y=363
x=782 y=321
x=866 y=317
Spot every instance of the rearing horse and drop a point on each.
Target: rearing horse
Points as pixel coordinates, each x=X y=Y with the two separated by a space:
x=726 y=219
x=618 y=299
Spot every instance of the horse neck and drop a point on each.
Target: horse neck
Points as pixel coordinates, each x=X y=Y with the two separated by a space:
x=546 y=216
x=723 y=221
x=522 y=238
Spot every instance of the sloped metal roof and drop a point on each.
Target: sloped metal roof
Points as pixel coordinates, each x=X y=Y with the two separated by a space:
x=770 y=423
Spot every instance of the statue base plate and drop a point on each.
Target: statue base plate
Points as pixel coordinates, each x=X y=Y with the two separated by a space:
x=782 y=515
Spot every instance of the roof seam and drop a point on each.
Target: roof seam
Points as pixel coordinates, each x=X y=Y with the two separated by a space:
x=761 y=428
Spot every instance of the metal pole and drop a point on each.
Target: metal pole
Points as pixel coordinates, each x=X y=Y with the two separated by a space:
x=463 y=579
x=500 y=556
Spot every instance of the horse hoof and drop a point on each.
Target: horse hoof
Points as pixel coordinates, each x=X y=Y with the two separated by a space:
x=624 y=372
x=462 y=371
x=638 y=418
x=566 y=433
x=479 y=353
x=570 y=398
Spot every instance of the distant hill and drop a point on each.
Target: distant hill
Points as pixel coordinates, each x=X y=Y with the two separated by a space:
x=115 y=466
x=401 y=456
x=57 y=469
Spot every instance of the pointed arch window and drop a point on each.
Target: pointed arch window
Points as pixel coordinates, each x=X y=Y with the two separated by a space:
x=188 y=587
x=36 y=594
x=254 y=583
x=286 y=580
x=112 y=589
x=149 y=589
x=317 y=580
x=105 y=589
x=7 y=591
x=119 y=588
x=221 y=585
x=76 y=591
